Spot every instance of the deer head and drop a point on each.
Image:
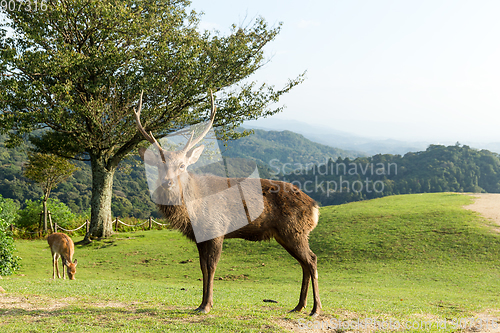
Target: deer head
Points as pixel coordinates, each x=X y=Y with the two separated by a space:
x=71 y=268
x=172 y=165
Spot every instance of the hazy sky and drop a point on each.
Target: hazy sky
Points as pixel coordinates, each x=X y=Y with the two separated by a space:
x=393 y=69
x=401 y=69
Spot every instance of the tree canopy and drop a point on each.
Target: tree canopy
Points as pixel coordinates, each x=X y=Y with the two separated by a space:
x=48 y=171
x=76 y=70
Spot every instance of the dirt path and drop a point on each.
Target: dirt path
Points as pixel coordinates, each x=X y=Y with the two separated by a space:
x=488 y=205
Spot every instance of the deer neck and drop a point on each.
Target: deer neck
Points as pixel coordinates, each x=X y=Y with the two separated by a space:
x=177 y=214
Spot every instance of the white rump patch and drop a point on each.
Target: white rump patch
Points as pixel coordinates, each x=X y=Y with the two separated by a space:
x=315 y=216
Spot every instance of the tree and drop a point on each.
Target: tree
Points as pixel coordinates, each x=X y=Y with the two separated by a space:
x=77 y=68
x=48 y=171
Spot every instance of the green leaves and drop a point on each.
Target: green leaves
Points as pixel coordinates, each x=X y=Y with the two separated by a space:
x=29 y=217
x=77 y=69
x=8 y=261
x=48 y=170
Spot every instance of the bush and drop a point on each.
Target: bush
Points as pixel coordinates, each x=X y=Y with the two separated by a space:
x=8 y=210
x=8 y=261
x=29 y=218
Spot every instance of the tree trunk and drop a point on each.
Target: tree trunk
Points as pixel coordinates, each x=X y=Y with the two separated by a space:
x=102 y=192
x=44 y=203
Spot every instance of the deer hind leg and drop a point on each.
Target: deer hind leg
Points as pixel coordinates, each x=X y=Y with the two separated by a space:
x=306 y=276
x=299 y=249
x=209 y=252
x=313 y=267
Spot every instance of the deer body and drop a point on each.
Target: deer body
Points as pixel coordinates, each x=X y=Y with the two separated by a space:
x=288 y=214
x=61 y=245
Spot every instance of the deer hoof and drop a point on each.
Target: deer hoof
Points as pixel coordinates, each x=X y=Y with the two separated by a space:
x=297 y=308
x=314 y=313
x=202 y=310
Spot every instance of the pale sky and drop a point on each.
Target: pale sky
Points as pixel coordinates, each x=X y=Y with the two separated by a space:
x=409 y=70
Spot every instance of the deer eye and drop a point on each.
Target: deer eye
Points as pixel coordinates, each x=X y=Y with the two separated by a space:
x=182 y=166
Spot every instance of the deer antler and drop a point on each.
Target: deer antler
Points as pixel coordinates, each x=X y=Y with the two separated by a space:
x=149 y=136
x=190 y=144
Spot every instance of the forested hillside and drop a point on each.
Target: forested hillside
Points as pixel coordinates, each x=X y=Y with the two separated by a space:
x=130 y=191
x=131 y=195
x=285 y=146
x=290 y=157
x=437 y=169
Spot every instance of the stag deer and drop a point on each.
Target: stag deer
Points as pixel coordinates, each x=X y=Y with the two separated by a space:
x=288 y=214
x=62 y=246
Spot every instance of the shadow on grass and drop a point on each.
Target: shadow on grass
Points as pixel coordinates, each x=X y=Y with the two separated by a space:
x=75 y=318
x=115 y=312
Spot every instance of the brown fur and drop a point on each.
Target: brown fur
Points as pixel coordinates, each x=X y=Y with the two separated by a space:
x=61 y=245
x=289 y=216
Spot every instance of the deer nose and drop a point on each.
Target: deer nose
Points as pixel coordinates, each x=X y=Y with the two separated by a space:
x=170 y=183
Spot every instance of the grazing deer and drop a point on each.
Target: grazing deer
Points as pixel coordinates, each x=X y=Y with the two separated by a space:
x=288 y=214
x=62 y=246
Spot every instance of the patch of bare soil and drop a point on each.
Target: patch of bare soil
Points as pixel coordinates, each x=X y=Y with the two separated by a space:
x=32 y=303
x=488 y=205
x=481 y=323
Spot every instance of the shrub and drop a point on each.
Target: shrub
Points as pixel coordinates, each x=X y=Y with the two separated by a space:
x=8 y=210
x=8 y=261
x=29 y=218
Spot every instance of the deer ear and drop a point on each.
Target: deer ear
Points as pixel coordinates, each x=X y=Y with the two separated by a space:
x=194 y=154
x=149 y=157
x=75 y=262
x=142 y=151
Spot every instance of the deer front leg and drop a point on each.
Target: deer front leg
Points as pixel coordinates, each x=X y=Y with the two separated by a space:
x=55 y=266
x=64 y=267
x=204 y=271
x=209 y=252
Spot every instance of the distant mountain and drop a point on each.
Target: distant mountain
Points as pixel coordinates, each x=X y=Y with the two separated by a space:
x=436 y=169
x=439 y=168
x=339 y=139
x=283 y=147
x=351 y=142
x=491 y=146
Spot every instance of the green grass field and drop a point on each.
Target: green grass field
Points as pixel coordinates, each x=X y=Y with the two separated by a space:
x=407 y=258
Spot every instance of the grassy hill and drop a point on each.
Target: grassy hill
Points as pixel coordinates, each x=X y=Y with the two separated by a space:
x=409 y=258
